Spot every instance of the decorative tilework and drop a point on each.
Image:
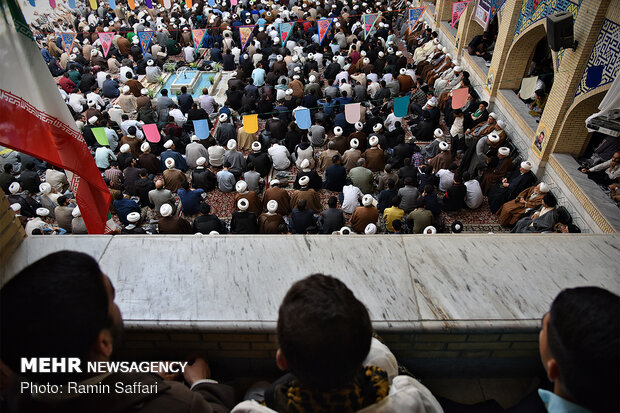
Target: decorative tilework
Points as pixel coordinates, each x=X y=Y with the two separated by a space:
x=534 y=10
x=606 y=53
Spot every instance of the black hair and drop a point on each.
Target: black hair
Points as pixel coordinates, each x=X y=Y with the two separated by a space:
x=164 y=92
x=335 y=158
x=8 y=167
x=185 y=185
x=131 y=130
x=550 y=200
x=227 y=164
x=57 y=307
x=62 y=200
x=397 y=224
x=301 y=204
x=332 y=202
x=324 y=332
x=205 y=208
x=584 y=336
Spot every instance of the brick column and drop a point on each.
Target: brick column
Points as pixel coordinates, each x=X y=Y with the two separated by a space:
x=468 y=28
x=510 y=16
x=587 y=27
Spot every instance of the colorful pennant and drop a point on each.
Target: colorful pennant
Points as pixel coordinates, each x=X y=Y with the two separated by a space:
x=106 y=41
x=33 y=4
x=201 y=128
x=149 y=3
x=353 y=112
x=323 y=25
x=233 y=2
x=167 y=4
x=151 y=133
x=302 y=118
x=414 y=15
x=250 y=123
x=528 y=86
x=67 y=41
x=53 y=4
x=101 y=136
x=401 y=106
x=198 y=35
x=459 y=97
x=458 y=9
x=245 y=32
x=285 y=31
x=112 y=3
x=132 y=4
x=145 y=39
x=368 y=21
x=496 y=5
x=93 y=4
x=188 y=4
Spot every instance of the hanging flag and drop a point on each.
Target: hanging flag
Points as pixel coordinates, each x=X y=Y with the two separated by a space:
x=528 y=86
x=101 y=136
x=151 y=133
x=145 y=39
x=211 y=3
x=167 y=4
x=323 y=25
x=198 y=35
x=368 y=21
x=112 y=3
x=401 y=106
x=132 y=4
x=188 y=4
x=458 y=9
x=245 y=32
x=594 y=76
x=302 y=118
x=496 y=5
x=285 y=31
x=67 y=41
x=53 y=4
x=93 y=4
x=106 y=41
x=201 y=128
x=233 y=2
x=149 y=3
x=36 y=121
x=353 y=112
x=459 y=97
x=250 y=123
x=414 y=15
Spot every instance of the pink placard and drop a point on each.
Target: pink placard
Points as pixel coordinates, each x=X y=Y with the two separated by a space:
x=353 y=112
x=459 y=97
x=151 y=132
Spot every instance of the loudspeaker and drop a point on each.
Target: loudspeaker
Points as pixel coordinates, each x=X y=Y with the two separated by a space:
x=560 y=31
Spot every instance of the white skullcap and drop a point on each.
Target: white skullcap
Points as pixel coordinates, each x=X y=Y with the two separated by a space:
x=458 y=69
x=367 y=200
x=91 y=103
x=126 y=89
x=274 y=182
x=430 y=230
x=43 y=212
x=144 y=91
x=79 y=124
x=201 y=161
x=310 y=56
x=335 y=59
x=261 y=29
x=444 y=49
x=231 y=144
x=195 y=138
x=527 y=165
x=344 y=231
x=494 y=137
x=72 y=56
x=145 y=147
x=150 y=62
x=168 y=144
x=135 y=40
x=381 y=54
x=504 y=151
x=501 y=124
x=304 y=180
x=312 y=79
x=125 y=148
x=256 y=146
x=241 y=186
x=436 y=41
x=272 y=206
x=92 y=120
x=170 y=163
x=279 y=58
x=295 y=58
x=438 y=133
x=450 y=56
x=359 y=126
x=76 y=212
x=444 y=146
x=304 y=164
x=86 y=41
x=403 y=71
x=16 y=207
x=377 y=127
x=363 y=53
x=366 y=61
x=165 y=210
x=290 y=91
x=399 y=53
x=223 y=117
x=243 y=204
x=370 y=229
x=295 y=77
x=337 y=131
x=45 y=187
x=373 y=141
x=297 y=69
x=493 y=115
x=354 y=143
x=390 y=50
x=543 y=187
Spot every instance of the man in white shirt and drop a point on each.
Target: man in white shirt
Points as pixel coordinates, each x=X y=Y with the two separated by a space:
x=350 y=197
x=280 y=156
x=188 y=51
x=127 y=123
x=77 y=102
x=446 y=177
x=473 y=197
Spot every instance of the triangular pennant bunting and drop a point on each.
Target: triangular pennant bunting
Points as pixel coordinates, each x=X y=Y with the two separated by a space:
x=245 y=32
x=250 y=123
x=106 y=41
x=201 y=128
x=414 y=15
x=401 y=106
x=112 y=3
x=302 y=118
x=167 y=4
x=151 y=133
x=353 y=112
x=145 y=40
x=285 y=31
x=459 y=97
x=323 y=26
x=198 y=35
x=188 y=4
x=132 y=4
x=458 y=9
x=496 y=5
x=93 y=4
x=53 y=4
x=67 y=41
x=149 y=3
x=33 y=4
x=368 y=21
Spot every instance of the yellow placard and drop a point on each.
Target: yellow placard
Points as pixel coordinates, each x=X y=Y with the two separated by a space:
x=250 y=123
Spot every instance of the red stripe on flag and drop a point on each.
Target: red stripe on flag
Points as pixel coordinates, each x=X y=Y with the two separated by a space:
x=31 y=131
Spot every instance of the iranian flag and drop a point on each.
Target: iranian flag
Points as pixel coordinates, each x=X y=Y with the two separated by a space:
x=35 y=120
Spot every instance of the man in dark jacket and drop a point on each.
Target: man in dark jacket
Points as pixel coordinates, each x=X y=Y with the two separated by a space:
x=332 y=219
x=206 y=222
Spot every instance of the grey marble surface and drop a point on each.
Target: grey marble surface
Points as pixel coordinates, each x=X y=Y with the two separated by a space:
x=438 y=282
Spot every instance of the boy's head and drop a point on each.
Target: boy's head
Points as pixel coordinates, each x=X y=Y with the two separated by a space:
x=324 y=332
x=579 y=343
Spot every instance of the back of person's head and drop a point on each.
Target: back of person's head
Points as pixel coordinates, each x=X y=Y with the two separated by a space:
x=332 y=202
x=550 y=200
x=324 y=332
x=466 y=176
x=408 y=181
x=301 y=204
x=164 y=92
x=429 y=189
x=185 y=185
x=227 y=164
x=397 y=224
x=453 y=167
x=56 y=307
x=391 y=184
x=62 y=200
x=205 y=209
x=583 y=336
x=131 y=130
x=335 y=159
x=458 y=177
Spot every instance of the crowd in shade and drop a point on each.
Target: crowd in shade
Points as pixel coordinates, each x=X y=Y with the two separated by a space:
x=356 y=163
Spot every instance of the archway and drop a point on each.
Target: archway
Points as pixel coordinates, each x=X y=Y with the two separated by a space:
x=520 y=55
